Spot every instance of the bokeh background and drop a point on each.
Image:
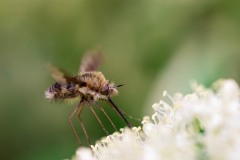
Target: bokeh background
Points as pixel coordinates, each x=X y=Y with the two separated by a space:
x=149 y=45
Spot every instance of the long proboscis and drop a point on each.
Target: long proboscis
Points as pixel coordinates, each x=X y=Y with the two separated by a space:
x=119 y=112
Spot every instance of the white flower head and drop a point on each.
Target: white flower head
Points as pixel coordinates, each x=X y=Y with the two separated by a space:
x=201 y=125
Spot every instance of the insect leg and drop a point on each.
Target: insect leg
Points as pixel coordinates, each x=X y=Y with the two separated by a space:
x=82 y=124
x=98 y=118
x=70 y=121
x=119 y=112
x=129 y=116
x=101 y=108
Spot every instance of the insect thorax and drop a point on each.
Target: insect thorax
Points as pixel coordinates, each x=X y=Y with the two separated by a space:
x=93 y=80
x=97 y=87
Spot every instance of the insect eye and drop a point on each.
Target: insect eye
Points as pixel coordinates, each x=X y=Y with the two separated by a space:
x=105 y=89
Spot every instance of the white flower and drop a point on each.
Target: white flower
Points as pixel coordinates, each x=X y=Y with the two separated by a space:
x=201 y=125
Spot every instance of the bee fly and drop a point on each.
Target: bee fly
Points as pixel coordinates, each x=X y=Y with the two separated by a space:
x=89 y=86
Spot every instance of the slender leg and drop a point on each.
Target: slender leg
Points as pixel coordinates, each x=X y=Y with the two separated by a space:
x=70 y=121
x=82 y=124
x=101 y=108
x=129 y=116
x=98 y=118
x=119 y=112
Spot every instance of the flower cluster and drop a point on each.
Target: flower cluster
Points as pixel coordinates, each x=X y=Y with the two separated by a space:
x=201 y=125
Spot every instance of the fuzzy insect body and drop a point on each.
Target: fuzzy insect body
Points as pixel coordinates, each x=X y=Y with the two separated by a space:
x=89 y=85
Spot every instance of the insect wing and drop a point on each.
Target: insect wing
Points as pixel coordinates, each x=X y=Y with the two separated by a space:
x=58 y=75
x=90 y=62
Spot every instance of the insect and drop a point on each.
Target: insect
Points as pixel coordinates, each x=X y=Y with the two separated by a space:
x=89 y=86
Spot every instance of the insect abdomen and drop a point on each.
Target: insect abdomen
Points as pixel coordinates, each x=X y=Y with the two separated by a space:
x=58 y=91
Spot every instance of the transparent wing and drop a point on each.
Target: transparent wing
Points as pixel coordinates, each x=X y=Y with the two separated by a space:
x=58 y=75
x=90 y=62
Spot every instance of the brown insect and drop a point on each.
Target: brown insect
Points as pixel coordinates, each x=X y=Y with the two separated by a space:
x=89 y=86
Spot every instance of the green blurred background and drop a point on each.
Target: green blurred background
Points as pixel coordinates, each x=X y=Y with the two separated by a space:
x=149 y=45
